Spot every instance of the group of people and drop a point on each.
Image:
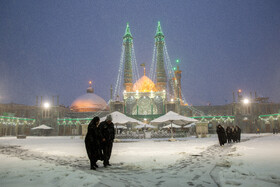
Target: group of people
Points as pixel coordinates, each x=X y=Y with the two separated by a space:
x=231 y=134
x=99 y=141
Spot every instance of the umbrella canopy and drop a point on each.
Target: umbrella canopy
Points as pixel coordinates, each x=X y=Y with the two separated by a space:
x=120 y=127
x=42 y=127
x=172 y=117
x=173 y=126
x=189 y=125
x=143 y=125
x=121 y=119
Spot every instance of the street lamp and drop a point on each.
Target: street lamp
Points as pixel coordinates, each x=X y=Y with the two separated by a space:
x=246 y=101
x=46 y=105
x=145 y=121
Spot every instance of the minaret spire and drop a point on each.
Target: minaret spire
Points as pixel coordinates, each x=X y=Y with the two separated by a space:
x=127 y=31
x=127 y=42
x=143 y=65
x=159 y=31
x=160 y=70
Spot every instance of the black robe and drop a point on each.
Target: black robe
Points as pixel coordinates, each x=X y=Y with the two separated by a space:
x=108 y=133
x=221 y=135
x=238 y=134
x=93 y=143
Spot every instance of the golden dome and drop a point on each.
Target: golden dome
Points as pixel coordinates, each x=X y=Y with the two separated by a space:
x=144 y=84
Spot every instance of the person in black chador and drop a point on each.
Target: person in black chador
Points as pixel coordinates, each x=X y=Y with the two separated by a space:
x=234 y=134
x=93 y=143
x=221 y=135
x=229 y=134
x=238 y=133
x=108 y=134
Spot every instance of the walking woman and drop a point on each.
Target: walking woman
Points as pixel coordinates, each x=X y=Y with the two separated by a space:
x=93 y=143
x=221 y=135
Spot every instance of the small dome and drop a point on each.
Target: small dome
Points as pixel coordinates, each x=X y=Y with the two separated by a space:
x=89 y=102
x=144 y=84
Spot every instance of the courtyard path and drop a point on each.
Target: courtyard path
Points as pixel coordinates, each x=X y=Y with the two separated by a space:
x=193 y=170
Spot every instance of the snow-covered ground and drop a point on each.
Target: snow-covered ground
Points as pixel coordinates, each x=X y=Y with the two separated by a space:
x=62 y=161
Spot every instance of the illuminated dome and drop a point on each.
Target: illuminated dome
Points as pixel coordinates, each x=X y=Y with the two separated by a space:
x=144 y=84
x=89 y=102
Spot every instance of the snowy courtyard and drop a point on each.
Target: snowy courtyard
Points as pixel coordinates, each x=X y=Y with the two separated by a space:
x=62 y=161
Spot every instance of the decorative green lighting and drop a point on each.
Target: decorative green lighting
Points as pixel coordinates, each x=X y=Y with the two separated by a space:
x=213 y=117
x=74 y=119
x=159 y=31
x=15 y=118
x=177 y=61
x=261 y=116
x=174 y=68
x=127 y=34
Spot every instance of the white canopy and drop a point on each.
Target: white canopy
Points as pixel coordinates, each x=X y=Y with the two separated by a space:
x=42 y=127
x=120 y=127
x=189 y=125
x=173 y=126
x=172 y=117
x=143 y=125
x=121 y=119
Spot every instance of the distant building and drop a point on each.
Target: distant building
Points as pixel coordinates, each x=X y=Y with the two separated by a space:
x=16 y=119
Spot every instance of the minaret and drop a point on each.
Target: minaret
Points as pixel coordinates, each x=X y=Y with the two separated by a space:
x=127 y=42
x=177 y=83
x=160 y=71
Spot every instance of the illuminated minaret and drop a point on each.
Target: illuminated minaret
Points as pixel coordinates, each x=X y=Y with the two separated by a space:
x=177 y=82
x=127 y=42
x=160 y=70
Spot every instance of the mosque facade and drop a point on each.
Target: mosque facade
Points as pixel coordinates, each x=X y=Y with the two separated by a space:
x=145 y=99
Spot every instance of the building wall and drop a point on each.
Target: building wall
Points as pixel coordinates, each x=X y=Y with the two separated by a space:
x=40 y=114
x=246 y=116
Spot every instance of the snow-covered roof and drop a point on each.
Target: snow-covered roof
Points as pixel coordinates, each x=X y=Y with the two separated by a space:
x=43 y=127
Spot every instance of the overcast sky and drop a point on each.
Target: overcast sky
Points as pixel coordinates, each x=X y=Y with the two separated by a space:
x=52 y=47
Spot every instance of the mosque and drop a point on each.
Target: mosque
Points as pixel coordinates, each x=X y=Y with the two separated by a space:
x=148 y=97
x=141 y=98
x=144 y=98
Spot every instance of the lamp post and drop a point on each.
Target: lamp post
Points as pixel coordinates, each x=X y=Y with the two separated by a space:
x=246 y=102
x=46 y=105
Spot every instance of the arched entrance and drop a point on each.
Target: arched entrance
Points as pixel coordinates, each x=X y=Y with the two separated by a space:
x=267 y=126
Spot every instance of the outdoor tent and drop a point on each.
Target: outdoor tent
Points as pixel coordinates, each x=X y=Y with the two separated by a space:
x=173 y=126
x=121 y=119
x=189 y=125
x=42 y=130
x=173 y=118
x=42 y=127
x=121 y=127
x=143 y=125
